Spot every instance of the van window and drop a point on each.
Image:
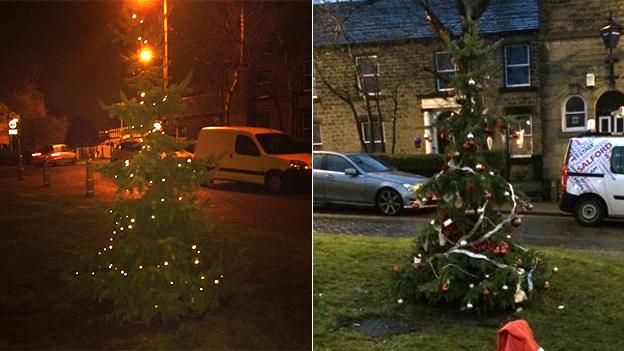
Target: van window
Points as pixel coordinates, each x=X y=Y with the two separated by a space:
x=617 y=160
x=246 y=146
x=277 y=143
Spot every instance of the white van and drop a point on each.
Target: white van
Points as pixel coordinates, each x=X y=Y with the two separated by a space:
x=255 y=155
x=592 y=179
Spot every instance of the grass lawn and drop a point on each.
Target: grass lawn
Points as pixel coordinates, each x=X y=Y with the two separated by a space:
x=41 y=235
x=352 y=285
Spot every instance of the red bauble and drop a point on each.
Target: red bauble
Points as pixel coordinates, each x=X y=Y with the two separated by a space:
x=485 y=292
x=396 y=269
x=466 y=145
x=547 y=285
x=445 y=287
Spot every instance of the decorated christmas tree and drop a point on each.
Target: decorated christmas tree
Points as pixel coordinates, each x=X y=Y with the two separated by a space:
x=152 y=265
x=467 y=256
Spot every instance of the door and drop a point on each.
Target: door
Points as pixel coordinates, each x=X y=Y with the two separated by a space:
x=614 y=182
x=341 y=187
x=245 y=162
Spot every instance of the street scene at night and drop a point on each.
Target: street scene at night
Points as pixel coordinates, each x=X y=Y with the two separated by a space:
x=155 y=175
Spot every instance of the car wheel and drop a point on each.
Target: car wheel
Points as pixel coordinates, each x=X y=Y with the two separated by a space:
x=275 y=182
x=589 y=211
x=389 y=202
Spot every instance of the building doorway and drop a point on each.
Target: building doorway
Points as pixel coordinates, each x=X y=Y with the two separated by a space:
x=607 y=122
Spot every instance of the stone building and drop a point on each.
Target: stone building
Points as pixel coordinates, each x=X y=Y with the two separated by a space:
x=575 y=78
x=393 y=48
x=549 y=72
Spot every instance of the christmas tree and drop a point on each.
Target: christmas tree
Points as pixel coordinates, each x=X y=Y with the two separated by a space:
x=467 y=256
x=152 y=265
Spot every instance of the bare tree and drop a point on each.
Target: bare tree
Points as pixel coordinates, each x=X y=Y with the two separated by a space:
x=355 y=91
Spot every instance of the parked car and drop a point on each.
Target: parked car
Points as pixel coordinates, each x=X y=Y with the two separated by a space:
x=358 y=179
x=57 y=154
x=126 y=149
x=592 y=179
x=255 y=155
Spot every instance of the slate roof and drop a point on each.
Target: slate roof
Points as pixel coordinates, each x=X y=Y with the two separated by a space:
x=389 y=20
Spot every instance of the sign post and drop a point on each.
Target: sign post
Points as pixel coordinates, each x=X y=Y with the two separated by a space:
x=14 y=132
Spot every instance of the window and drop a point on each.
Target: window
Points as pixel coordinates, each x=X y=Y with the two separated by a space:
x=368 y=72
x=246 y=146
x=307 y=75
x=617 y=160
x=316 y=134
x=263 y=85
x=604 y=124
x=377 y=136
x=376 y=132
x=335 y=163
x=619 y=125
x=317 y=160
x=522 y=145
x=574 y=114
x=445 y=70
x=303 y=123
x=517 y=66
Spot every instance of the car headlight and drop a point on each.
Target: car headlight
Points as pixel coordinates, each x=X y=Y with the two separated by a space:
x=297 y=164
x=411 y=187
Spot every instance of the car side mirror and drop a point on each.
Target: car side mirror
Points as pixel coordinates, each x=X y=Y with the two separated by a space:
x=351 y=172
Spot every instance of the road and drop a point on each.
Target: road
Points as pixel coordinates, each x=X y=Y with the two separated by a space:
x=556 y=231
x=250 y=205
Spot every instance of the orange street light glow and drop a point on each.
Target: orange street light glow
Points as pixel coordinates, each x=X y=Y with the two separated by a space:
x=146 y=55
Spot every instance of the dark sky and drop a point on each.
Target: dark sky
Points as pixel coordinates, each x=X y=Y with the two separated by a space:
x=70 y=49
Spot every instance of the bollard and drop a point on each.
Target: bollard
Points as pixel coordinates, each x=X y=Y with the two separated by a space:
x=90 y=184
x=20 y=167
x=46 y=172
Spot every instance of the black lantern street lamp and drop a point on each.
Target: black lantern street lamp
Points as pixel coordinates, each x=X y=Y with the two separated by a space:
x=610 y=37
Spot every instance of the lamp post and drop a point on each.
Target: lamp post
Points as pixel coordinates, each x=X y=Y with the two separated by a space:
x=610 y=37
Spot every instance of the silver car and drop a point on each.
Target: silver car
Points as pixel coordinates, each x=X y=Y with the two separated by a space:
x=361 y=180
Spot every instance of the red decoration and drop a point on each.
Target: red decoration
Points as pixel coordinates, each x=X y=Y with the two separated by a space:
x=487 y=130
x=485 y=292
x=445 y=287
x=547 y=285
x=396 y=269
x=466 y=145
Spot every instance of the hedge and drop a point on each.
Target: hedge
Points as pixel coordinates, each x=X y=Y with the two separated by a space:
x=428 y=165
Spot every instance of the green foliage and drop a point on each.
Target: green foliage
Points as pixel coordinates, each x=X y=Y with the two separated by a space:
x=467 y=257
x=428 y=165
x=154 y=267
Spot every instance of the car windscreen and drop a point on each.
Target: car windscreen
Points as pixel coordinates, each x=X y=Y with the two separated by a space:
x=46 y=148
x=277 y=143
x=369 y=164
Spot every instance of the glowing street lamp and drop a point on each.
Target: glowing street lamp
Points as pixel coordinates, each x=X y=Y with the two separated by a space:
x=146 y=55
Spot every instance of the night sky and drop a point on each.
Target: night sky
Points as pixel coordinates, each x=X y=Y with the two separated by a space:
x=69 y=49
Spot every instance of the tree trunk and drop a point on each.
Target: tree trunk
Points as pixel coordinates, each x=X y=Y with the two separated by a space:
x=241 y=47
